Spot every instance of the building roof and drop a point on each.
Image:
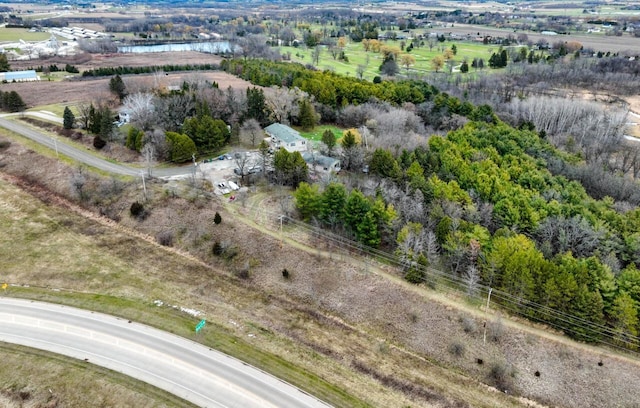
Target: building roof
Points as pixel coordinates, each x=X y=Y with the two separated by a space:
x=284 y=133
x=320 y=160
x=20 y=75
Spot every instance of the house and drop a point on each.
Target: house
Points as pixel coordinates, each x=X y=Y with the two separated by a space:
x=321 y=164
x=283 y=136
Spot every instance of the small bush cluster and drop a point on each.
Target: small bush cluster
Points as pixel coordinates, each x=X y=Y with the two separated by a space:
x=457 y=348
x=501 y=375
x=224 y=250
x=98 y=142
x=138 y=211
x=468 y=324
x=165 y=238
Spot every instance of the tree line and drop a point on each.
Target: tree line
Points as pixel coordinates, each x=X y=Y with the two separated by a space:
x=481 y=203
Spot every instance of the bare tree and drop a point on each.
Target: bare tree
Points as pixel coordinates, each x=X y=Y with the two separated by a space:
x=84 y=117
x=283 y=103
x=251 y=133
x=149 y=154
x=471 y=279
x=244 y=163
x=141 y=109
x=172 y=110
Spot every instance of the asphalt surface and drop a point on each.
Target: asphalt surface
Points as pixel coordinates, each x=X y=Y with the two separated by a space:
x=87 y=158
x=184 y=368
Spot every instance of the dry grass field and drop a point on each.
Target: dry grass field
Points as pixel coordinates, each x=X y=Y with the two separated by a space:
x=385 y=342
x=78 y=89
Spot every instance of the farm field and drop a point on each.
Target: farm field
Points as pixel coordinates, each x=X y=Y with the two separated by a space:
x=17 y=34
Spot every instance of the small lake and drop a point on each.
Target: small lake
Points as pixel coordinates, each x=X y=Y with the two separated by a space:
x=212 y=47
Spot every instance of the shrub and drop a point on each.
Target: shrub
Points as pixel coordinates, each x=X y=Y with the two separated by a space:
x=217 y=219
x=468 y=324
x=501 y=375
x=137 y=210
x=4 y=144
x=415 y=275
x=496 y=330
x=457 y=349
x=98 y=142
x=243 y=273
x=165 y=238
x=217 y=248
x=285 y=273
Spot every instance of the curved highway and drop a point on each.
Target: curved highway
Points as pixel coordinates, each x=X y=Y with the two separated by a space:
x=85 y=157
x=184 y=368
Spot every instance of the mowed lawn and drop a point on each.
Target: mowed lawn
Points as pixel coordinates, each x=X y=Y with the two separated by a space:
x=316 y=133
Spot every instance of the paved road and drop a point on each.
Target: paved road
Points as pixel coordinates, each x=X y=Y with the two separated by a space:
x=85 y=157
x=184 y=368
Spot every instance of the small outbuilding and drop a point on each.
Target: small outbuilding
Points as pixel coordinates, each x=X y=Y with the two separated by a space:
x=321 y=164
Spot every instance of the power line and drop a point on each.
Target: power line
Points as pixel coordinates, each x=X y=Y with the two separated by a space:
x=567 y=323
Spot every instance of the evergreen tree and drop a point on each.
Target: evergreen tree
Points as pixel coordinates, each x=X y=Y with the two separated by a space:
x=68 y=118
x=106 y=124
x=117 y=87
x=367 y=231
x=329 y=139
x=4 y=63
x=256 y=107
x=334 y=199
x=464 y=67
x=307 y=115
x=181 y=147
x=217 y=219
x=356 y=207
x=308 y=200
x=349 y=140
x=384 y=164
x=13 y=102
x=135 y=139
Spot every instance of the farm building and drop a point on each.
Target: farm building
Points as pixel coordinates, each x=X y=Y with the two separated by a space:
x=287 y=138
x=19 y=76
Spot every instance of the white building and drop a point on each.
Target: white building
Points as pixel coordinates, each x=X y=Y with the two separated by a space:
x=283 y=136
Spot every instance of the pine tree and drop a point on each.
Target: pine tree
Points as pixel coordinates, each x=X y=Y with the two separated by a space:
x=307 y=115
x=117 y=87
x=13 y=102
x=217 y=219
x=68 y=118
x=4 y=63
x=256 y=107
x=329 y=139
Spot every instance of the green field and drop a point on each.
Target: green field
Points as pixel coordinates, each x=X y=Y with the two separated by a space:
x=17 y=34
x=371 y=60
x=316 y=134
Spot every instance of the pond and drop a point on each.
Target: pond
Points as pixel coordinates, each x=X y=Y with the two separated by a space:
x=211 y=47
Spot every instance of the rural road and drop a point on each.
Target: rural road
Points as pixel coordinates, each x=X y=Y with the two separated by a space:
x=182 y=367
x=85 y=157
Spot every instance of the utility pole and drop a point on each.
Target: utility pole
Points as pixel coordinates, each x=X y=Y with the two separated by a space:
x=144 y=186
x=195 y=166
x=486 y=316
